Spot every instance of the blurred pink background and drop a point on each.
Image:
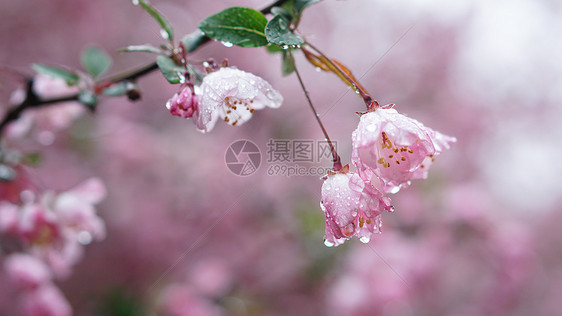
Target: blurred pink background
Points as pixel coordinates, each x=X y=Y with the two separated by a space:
x=187 y=237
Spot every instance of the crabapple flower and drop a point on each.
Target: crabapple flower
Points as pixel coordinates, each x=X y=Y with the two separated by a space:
x=46 y=300
x=27 y=271
x=183 y=104
x=75 y=208
x=9 y=215
x=395 y=148
x=352 y=207
x=232 y=95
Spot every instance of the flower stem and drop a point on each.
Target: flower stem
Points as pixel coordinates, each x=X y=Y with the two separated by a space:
x=335 y=156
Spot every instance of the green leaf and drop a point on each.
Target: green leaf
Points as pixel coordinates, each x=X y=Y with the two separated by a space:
x=240 y=26
x=272 y=48
x=288 y=65
x=95 y=61
x=193 y=40
x=171 y=71
x=278 y=32
x=300 y=5
x=166 y=26
x=147 y=48
x=88 y=98
x=70 y=77
x=282 y=11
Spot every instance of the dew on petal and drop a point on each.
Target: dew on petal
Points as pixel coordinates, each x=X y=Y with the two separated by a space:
x=328 y=243
x=365 y=239
x=164 y=34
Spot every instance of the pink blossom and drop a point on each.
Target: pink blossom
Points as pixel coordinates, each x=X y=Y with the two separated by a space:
x=26 y=271
x=232 y=95
x=352 y=207
x=395 y=148
x=9 y=217
x=183 y=104
x=38 y=225
x=75 y=208
x=47 y=300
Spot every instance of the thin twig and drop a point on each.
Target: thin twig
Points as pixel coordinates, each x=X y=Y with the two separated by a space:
x=335 y=156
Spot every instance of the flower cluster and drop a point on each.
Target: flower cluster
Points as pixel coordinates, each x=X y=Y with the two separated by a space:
x=389 y=150
x=44 y=239
x=229 y=94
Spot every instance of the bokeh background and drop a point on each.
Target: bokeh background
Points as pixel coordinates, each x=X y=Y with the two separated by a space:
x=187 y=237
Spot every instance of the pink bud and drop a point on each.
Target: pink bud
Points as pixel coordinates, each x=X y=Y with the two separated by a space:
x=183 y=104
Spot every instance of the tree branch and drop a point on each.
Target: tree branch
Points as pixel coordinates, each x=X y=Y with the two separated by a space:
x=33 y=101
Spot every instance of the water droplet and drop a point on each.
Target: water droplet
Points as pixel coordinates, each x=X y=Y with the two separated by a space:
x=164 y=34
x=227 y=44
x=135 y=2
x=365 y=239
x=182 y=77
x=84 y=237
x=395 y=190
x=354 y=214
x=285 y=47
x=270 y=94
x=391 y=209
x=328 y=243
x=318 y=69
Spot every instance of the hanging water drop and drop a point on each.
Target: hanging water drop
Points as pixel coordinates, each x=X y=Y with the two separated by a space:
x=318 y=69
x=164 y=34
x=365 y=239
x=181 y=77
x=135 y=2
x=227 y=44
x=270 y=94
x=285 y=47
x=328 y=243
